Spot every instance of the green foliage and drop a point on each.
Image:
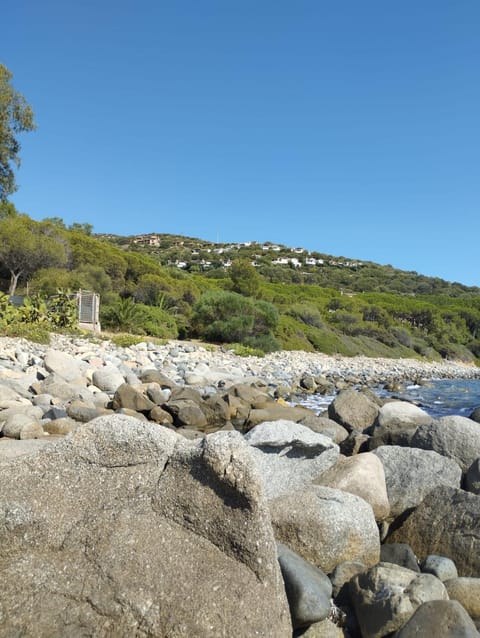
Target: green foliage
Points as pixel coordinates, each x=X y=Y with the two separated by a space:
x=63 y=309
x=228 y=317
x=125 y=341
x=8 y=313
x=245 y=279
x=245 y=351
x=26 y=246
x=16 y=116
x=31 y=331
x=124 y=316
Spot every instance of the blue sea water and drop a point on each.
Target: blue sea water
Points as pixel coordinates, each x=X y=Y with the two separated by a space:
x=438 y=397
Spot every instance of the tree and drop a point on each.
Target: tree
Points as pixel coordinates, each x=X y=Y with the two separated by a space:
x=16 y=116
x=26 y=246
x=245 y=279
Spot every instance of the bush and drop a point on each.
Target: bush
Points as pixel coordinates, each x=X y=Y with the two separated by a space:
x=228 y=317
x=30 y=331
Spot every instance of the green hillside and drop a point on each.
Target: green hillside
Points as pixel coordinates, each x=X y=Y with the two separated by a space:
x=263 y=296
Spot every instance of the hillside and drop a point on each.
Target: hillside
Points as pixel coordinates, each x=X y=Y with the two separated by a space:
x=261 y=296
x=279 y=263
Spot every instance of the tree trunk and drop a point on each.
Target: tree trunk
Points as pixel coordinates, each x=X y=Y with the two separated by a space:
x=14 y=276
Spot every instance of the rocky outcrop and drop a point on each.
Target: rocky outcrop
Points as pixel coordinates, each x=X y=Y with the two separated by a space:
x=105 y=533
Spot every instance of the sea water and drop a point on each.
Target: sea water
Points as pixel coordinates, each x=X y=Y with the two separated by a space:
x=438 y=397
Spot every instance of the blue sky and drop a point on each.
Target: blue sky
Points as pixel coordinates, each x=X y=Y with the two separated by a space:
x=347 y=127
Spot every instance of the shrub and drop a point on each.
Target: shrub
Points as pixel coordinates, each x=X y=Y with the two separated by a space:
x=30 y=331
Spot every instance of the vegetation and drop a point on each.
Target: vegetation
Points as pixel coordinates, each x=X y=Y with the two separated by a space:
x=147 y=295
x=16 y=116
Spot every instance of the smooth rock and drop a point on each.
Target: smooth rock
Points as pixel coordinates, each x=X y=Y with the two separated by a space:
x=326 y=526
x=362 y=475
x=63 y=364
x=445 y=618
x=455 y=437
x=108 y=378
x=308 y=588
x=353 y=410
x=440 y=566
x=411 y=473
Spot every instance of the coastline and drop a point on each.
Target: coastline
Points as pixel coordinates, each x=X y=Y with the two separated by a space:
x=202 y=364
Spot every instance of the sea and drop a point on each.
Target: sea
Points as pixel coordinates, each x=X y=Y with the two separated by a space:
x=438 y=397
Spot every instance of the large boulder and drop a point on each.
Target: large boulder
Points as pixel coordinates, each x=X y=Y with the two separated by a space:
x=455 y=437
x=411 y=473
x=396 y=423
x=445 y=618
x=445 y=523
x=386 y=596
x=362 y=475
x=125 y=529
x=326 y=526
x=353 y=410
x=289 y=456
x=108 y=378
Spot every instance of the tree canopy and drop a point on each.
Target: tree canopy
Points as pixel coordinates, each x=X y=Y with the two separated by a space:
x=16 y=116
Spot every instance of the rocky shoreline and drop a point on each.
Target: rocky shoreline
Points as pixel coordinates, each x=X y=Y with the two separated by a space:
x=171 y=490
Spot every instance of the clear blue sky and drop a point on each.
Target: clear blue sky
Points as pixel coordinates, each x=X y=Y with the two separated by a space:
x=351 y=127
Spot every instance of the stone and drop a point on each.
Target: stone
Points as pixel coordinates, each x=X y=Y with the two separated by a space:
x=411 y=473
x=475 y=415
x=159 y=415
x=324 y=629
x=156 y=394
x=56 y=387
x=186 y=412
x=400 y=414
x=108 y=378
x=308 y=588
x=355 y=442
x=326 y=526
x=325 y=426
x=60 y=426
x=274 y=411
x=445 y=618
x=155 y=376
x=55 y=412
x=83 y=412
x=63 y=364
x=142 y=532
x=288 y=455
x=386 y=596
x=22 y=426
x=353 y=410
x=400 y=554
x=455 y=437
x=472 y=477
x=467 y=592
x=340 y=578
x=445 y=523
x=362 y=475
x=127 y=396
x=7 y=396
x=440 y=566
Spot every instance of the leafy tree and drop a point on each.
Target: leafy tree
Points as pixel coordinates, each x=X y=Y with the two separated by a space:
x=16 y=116
x=245 y=279
x=26 y=246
